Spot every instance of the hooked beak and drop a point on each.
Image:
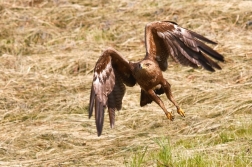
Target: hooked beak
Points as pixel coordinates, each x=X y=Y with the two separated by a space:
x=141 y=66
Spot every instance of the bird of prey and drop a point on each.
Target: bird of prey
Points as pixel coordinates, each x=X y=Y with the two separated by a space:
x=162 y=39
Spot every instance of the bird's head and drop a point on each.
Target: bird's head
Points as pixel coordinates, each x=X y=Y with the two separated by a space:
x=144 y=65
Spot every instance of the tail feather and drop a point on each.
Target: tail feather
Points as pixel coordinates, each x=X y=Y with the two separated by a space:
x=145 y=98
x=99 y=116
x=111 y=117
x=91 y=102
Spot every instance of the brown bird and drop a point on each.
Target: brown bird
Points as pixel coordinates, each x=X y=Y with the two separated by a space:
x=162 y=39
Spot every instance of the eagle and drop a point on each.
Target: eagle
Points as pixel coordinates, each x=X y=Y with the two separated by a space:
x=162 y=39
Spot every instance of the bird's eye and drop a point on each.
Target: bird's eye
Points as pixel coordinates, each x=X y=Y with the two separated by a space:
x=147 y=64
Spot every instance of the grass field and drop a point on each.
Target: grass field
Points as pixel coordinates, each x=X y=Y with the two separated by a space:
x=48 y=49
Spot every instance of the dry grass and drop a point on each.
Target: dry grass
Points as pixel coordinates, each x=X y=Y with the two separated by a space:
x=48 y=49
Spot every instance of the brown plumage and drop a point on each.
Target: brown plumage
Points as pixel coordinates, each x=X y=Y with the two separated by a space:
x=162 y=38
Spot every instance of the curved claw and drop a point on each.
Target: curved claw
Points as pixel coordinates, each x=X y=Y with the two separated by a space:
x=170 y=116
x=181 y=112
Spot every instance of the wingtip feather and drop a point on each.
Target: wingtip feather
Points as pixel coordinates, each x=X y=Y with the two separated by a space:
x=91 y=102
x=200 y=37
x=211 y=52
x=99 y=116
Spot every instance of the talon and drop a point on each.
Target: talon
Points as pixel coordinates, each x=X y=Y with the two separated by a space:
x=170 y=116
x=181 y=112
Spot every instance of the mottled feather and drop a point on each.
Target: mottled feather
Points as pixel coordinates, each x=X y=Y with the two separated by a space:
x=111 y=72
x=162 y=39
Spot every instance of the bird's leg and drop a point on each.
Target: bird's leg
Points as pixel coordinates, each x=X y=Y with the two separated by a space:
x=155 y=98
x=167 y=89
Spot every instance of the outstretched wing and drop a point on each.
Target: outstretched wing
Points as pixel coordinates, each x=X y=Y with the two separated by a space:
x=111 y=72
x=164 y=38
